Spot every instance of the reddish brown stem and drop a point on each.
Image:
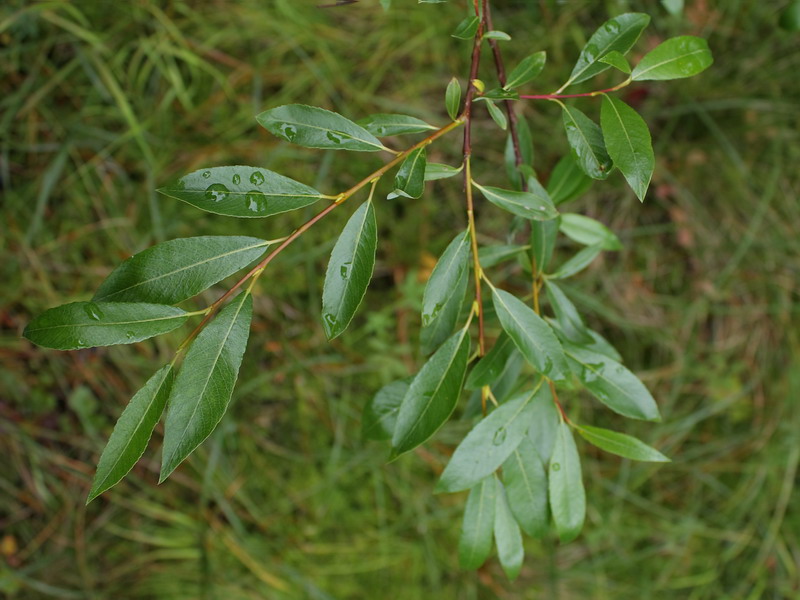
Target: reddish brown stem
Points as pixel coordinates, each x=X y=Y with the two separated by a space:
x=557 y=96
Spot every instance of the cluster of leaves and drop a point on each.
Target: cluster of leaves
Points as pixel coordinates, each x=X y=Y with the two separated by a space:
x=519 y=462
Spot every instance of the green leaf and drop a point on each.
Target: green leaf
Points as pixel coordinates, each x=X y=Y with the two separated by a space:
x=500 y=94
x=597 y=344
x=567 y=496
x=675 y=58
x=567 y=315
x=544 y=425
x=528 y=205
x=620 y=444
x=588 y=231
x=410 y=178
x=491 y=366
x=673 y=7
x=527 y=70
x=452 y=98
x=384 y=125
x=467 y=29
x=349 y=270
x=475 y=542
x=790 y=17
x=497 y=35
x=89 y=324
x=532 y=335
x=628 y=143
x=434 y=171
x=494 y=255
x=507 y=536
x=204 y=385
x=450 y=269
x=619 y=33
x=433 y=394
x=380 y=413
x=314 y=127
x=239 y=191
x=488 y=445
x=437 y=330
x=618 y=61
x=497 y=115
x=577 y=263
x=173 y=271
x=612 y=384
x=586 y=143
x=543 y=242
x=526 y=488
x=525 y=150
x=567 y=181
x=132 y=432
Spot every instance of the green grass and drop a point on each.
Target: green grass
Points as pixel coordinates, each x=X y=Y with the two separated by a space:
x=100 y=103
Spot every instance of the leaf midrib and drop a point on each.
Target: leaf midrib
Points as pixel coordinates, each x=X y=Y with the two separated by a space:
x=669 y=60
x=101 y=324
x=349 y=135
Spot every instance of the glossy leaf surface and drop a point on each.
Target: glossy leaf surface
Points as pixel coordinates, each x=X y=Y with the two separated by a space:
x=532 y=335
x=380 y=414
x=475 y=542
x=618 y=61
x=488 y=445
x=578 y=262
x=490 y=367
x=588 y=231
x=132 y=432
x=507 y=535
x=586 y=143
x=173 y=271
x=498 y=116
x=676 y=58
x=527 y=205
x=544 y=425
x=89 y=324
x=315 y=127
x=567 y=315
x=204 y=385
x=566 y=492
x=567 y=181
x=620 y=444
x=410 y=178
x=619 y=33
x=384 y=125
x=240 y=191
x=433 y=394
x=452 y=98
x=494 y=255
x=467 y=28
x=527 y=70
x=628 y=143
x=526 y=488
x=434 y=171
x=543 y=242
x=349 y=270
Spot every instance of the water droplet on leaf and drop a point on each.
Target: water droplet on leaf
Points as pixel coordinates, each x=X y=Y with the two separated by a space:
x=288 y=132
x=93 y=311
x=344 y=270
x=216 y=192
x=556 y=467
x=255 y=202
x=334 y=136
x=236 y=179
x=499 y=436
x=206 y=174
x=257 y=178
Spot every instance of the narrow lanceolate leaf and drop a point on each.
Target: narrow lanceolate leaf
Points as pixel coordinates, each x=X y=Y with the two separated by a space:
x=597 y=344
x=498 y=116
x=618 y=61
x=567 y=315
x=203 y=387
x=507 y=536
x=315 y=127
x=586 y=141
x=524 y=204
x=444 y=292
x=491 y=366
x=173 y=271
x=544 y=425
x=475 y=542
x=383 y=125
x=532 y=335
x=588 y=231
x=676 y=58
x=567 y=181
x=349 y=270
x=612 y=384
x=628 y=142
x=497 y=35
x=488 y=445
x=567 y=496
x=620 y=444
x=452 y=98
x=619 y=33
x=434 y=171
x=526 y=488
x=467 y=28
x=132 y=432
x=380 y=413
x=527 y=70
x=543 y=242
x=89 y=324
x=433 y=394
x=577 y=263
x=410 y=178
x=494 y=255
x=249 y=192
x=525 y=143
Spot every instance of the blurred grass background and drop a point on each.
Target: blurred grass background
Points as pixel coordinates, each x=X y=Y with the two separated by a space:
x=101 y=102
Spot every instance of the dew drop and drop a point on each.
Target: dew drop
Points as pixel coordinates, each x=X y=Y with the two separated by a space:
x=555 y=467
x=130 y=335
x=257 y=178
x=255 y=201
x=288 y=132
x=236 y=179
x=216 y=192
x=591 y=52
x=499 y=436
x=206 y=174
x=612 y=27
x=344 y=270
x=93 y=311
x=330 y=320
x=334 y=136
